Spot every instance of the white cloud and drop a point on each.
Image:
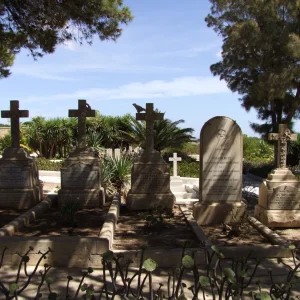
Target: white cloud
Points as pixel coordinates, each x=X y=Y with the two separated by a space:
x=178 y=87
x=188 y=52
x=219 y=54
x=53 y=72
x=70 y=45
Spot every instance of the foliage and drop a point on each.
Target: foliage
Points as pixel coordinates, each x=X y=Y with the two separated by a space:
x=46 y=164
x=256 y=149
x=115 y=174
x=190 y=148
x=184 y=157
x=39 y=26
x=68 y=211
x=261 y=169
x=167 y=134
x=185 y=169
x=293 y=155
x=5 y=142
x=220 y=278
x=51 y=138
x=260 y=56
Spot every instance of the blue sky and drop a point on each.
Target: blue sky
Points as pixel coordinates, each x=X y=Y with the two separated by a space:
x=163 y=56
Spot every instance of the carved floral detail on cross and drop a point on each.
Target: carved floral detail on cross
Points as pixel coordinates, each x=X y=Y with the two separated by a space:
x=282 y=137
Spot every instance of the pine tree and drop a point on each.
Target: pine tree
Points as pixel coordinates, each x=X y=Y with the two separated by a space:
x=260 y=56
x=40 y=25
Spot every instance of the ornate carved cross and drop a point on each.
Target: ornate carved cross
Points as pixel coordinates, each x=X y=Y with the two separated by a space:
x=150 y=116
x=83 y=111
x=15 y=114
x=175 y=159
x=282 y=137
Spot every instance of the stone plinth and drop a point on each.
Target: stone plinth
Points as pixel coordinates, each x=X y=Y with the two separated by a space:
x=20 y=187
x=150 y=183
x=279 y=200
x=216 y=213
x=221 y=153
x=81 y=180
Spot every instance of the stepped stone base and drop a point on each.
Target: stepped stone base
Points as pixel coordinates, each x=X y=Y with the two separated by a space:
x=93 y=198
x=81 y=179
x=279 y=200
x=150 y=183
x=277 y=218
x=150 y=201
x=217 y=213
x=20 y=187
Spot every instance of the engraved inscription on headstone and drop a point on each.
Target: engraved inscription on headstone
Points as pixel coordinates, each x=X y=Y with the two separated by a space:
x=221 y=161
x=284 y=197
x=12 y=176
x=78 y=176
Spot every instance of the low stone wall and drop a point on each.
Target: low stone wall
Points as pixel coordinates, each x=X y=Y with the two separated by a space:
x=68 y=251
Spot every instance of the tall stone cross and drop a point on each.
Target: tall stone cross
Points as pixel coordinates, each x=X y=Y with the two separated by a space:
x=282 y=137
x=15 y=114
x=175 y=159
x=83 y=111
x=150 y=116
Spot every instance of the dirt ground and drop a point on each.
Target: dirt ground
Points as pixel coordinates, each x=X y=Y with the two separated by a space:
x=152 y=230
x=87 y=222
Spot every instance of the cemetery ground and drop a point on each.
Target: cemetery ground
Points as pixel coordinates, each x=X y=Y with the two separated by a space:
x=166 y=249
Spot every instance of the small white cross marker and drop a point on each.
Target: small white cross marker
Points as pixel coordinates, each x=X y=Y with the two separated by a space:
x=175 y=159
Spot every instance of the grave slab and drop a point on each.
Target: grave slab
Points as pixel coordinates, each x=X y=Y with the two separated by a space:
x=20 y=187
x=150 y=175
x=279 y=194
x=221 y=153
x=81 y=171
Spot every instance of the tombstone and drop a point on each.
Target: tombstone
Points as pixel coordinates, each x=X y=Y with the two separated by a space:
x=109 y=152
x=279 y=194
x=150 y=175
x=220 y=182
x=81 y=171
x=175 y=159
x=117 y=152
x=20 y=187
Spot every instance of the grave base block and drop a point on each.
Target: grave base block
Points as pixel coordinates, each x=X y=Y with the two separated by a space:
x=150 y=201
x=92 y=198
x=217 y=213
x=277 y=217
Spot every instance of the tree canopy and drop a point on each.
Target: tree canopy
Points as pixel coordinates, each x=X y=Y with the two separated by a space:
x=40 y=26
x=260 y=56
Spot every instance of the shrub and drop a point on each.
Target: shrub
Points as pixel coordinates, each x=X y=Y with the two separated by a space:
x=261 y=169
x=186 y=169
x=46 y=164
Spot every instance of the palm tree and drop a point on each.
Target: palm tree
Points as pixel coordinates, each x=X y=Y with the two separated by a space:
x=167 y=134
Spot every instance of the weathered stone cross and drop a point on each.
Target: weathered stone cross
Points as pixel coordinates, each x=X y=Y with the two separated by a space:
x=83 y=111
x=150 y=116
x=15 y=114
x=282 y=137
x=175 y=159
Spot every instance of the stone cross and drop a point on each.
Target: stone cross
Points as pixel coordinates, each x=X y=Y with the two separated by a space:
x=15 y=114
x=83 y=111
x=150 y=116
x=282 y=137
x=175 y=159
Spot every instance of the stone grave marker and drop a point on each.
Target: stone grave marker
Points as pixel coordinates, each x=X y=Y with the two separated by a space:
x=175 y=159
x=221 y=162
x=279 y=194
x=150 y=175
x=81 y=172
x=20 y=187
